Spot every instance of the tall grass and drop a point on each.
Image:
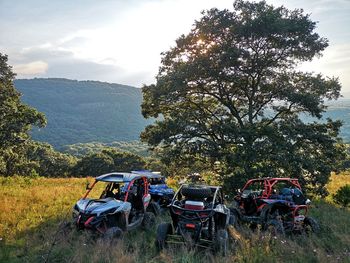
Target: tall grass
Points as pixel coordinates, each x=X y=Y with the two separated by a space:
x=32 y=212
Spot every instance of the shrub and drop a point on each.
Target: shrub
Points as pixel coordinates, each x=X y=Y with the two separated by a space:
x=342 y=196
x=108 y=160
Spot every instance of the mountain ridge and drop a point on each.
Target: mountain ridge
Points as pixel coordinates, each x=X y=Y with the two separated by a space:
x=84 y=111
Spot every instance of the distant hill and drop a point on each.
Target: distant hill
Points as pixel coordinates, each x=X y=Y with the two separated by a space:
x=100 y=112
x=340 y=110
x=84 y=111
x=337 y=110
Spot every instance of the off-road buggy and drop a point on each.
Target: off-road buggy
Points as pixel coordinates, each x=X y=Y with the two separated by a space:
x=115 y=210
x=277 y=204
x=160 y=192
x=199 y=218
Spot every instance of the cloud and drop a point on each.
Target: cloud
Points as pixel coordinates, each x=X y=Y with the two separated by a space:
x=121 y=41
x=334 y=63
x=32 y=68
x=62 y=63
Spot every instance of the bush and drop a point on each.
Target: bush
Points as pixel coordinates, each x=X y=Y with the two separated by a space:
x=342 y=196
x=106 y=161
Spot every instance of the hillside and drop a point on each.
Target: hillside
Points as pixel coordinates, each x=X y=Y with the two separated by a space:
x=92 y=111
x=84 y=111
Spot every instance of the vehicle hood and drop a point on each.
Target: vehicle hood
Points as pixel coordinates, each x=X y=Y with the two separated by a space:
x=100 y=206
x=161 y=188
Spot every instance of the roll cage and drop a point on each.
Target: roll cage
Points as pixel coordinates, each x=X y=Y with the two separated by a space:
x=120 y=178
x=269 y=183
x=175 y=205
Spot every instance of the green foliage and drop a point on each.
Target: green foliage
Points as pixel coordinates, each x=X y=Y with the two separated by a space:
x=81 y=149
x=337 y=110
x=50 y=163
x=16 y=120
x=35 y=159
x=15 y=162
x=342 y=196
x=345 y=164
x=84 y=111
x=108 y=160
x=230 y=91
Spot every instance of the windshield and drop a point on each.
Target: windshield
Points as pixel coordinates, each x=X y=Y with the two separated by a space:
x=155 y=181
x=256 y=187
x=107 y=189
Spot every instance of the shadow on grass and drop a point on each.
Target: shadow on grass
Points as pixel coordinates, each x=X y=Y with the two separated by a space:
x=65 y=244
x=332 y=244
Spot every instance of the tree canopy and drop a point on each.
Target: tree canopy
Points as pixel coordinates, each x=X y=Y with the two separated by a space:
x=231 y=91
x=16 y=120
x=106 y=161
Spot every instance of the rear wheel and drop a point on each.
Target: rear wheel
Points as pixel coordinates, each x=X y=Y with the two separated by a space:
x=221 y=242
x=122 y=221
x=149 y=220
x=113 y=232
x=154 y=207
x=163 y=230
x=234 y=218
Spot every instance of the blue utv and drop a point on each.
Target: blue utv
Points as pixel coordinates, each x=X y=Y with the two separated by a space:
x=161 y=194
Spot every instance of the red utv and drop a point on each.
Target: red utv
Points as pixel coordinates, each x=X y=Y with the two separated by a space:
x=274 y=203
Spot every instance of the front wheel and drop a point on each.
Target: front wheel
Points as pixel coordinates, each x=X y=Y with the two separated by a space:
x=149 y=220
x=163 y=230
x=311 y=225
x=221 y=242
x=113 y=232
x=274 y=227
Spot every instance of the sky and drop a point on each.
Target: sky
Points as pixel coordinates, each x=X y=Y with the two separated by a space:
x=121 y=41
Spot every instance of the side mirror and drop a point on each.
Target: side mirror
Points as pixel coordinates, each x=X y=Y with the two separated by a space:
x=226 y=197
x=239 y=191
x=308 y=201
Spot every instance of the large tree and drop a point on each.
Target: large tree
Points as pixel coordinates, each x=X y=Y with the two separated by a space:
x=16 y=120
x=231 y=91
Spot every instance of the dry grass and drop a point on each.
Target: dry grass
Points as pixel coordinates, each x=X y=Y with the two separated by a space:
x=32 y=211
x=27 y=203
x=337 y=181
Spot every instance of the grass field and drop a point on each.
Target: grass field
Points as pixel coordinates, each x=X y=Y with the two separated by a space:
x=32 y=212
